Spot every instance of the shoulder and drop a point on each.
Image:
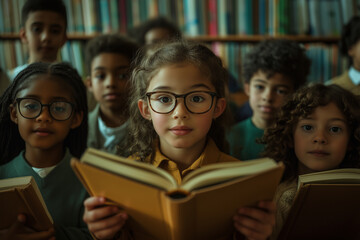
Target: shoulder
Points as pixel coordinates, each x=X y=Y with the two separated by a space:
x=343 y=78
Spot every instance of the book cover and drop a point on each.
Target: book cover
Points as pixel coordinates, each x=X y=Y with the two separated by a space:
x=178 y=212
x=22 y=195
x=326 y=206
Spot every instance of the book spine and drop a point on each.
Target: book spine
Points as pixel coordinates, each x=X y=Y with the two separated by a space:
x=212 y=18
x=179 y=216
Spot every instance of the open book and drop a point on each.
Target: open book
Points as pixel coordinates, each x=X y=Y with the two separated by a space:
x=326 y=206
x=202 y=207
x=22 y=195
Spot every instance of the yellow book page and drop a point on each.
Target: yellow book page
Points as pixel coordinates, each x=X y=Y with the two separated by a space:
x=216 y=173
x=131 y=169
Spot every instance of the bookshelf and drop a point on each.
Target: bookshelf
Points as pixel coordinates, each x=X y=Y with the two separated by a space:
x=229 y=27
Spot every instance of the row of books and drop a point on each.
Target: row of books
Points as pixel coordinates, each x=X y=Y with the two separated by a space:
x=326 y=62
x=200 y=17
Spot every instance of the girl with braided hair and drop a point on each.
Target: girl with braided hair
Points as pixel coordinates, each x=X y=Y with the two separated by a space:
x=43 y=124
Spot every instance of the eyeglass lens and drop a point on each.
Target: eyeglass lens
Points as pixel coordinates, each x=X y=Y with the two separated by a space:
x=195 y=102
x=32 y=108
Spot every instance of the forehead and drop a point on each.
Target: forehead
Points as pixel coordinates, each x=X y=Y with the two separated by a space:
x=45 y=17
x=110 y=60
x=330 y=111
x=45 y=86
x=273 y=79
x=180 y=78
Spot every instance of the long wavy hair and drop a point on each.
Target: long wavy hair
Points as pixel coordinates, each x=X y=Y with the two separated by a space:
x=279 y=138
x=11 y=143
x=147 y=65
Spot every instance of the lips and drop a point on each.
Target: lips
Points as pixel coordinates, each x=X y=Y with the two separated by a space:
x=181 y=130
x=43 y=132
x=266 y=109
x=319 y=153
x=111 y=96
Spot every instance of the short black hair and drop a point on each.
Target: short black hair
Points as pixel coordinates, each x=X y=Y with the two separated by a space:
x=350 y=35
x=57 y=6
x=282 y=56
x=158 y=22
x=109 y=43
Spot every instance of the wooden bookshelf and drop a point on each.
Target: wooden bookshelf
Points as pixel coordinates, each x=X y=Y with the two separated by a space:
x=208 y=38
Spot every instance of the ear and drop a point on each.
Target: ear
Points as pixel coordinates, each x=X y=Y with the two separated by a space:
x=77 y=120
x=351 y=51
x=22 y=35
x=144 y=109
x=88 y=84
x=247 y=89
x=219 y=107
x=13 y=113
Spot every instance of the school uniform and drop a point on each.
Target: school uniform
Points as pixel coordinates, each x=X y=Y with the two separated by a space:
x=62 y=192
x=350 y=80
x=107 y=139
x=242 y=140
x=211 y=154
x=284 y=198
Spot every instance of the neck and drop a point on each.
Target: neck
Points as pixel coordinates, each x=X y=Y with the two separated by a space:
x=261 y=123
x=41 y=158
x=184 y=157
x=112 y=118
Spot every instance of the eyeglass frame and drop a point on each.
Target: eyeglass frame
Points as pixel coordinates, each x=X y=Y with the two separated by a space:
x=18 y=100
x=212 y=94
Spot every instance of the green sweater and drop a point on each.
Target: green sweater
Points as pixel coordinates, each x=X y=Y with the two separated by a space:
x=242 y=140
x=62 y=192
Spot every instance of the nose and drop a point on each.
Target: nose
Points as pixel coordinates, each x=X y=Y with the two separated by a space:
x=266 y=95
x=180 y=110
x=44 y=115
x=45 y=35
x=320 y=138
x=110 y=81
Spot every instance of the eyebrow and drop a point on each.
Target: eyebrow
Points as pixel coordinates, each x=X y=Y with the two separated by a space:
x=192 y=87
x=276 y=85
x=56 y=98
x=330 y=120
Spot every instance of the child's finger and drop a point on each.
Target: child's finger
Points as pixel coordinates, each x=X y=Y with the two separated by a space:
x=259 y=215
x=93 y=202
x=107 y=228
x=270 y=206
x=102 y=212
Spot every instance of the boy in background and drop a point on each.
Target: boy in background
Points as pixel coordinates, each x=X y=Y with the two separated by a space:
x=108 y=58
x=43 y=31
x=350 y=47
x=272 y=71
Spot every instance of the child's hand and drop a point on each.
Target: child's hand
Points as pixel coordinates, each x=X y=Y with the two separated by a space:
x=19 y=231
x=256 y=223
x=103 y=221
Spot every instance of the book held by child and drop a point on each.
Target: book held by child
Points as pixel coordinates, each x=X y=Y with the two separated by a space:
x=161 y=208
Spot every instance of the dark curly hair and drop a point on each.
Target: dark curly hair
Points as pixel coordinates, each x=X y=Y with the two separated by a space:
x=11 y=143
x=109 y=43
x=148 y=63
x=57 y=6
x=279 y=138
x=350 y=35
x=282 y=56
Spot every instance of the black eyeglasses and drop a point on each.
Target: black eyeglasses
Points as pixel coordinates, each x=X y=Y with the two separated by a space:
x=31 y=108
x=197 y=102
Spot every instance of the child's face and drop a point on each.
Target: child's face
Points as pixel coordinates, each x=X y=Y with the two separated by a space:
x=109 y=81
x=180 y=129
x=45 y=34
x=321 y=139
x=266 y=96
x=354 y=53
x=43 y=132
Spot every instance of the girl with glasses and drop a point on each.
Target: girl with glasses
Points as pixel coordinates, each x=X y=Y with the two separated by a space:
x=177 y=118
x=43 y=124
